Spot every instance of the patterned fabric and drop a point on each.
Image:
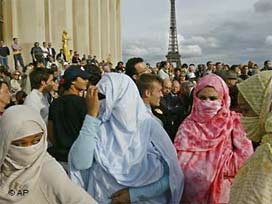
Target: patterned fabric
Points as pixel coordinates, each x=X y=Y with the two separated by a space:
x=211 y=151
x=253 y=183
x=257 y=91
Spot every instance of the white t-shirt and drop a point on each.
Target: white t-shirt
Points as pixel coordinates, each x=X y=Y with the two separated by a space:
x=163 y=75
x=38 y=102
x=191 y=75
x=45 y=52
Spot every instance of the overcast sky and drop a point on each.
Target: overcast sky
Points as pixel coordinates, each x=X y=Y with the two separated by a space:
x=231 y=31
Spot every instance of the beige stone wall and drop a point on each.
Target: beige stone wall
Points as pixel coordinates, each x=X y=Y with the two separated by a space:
x=94 y=26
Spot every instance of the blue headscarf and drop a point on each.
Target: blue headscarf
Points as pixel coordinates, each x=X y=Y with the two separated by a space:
x=131 y=144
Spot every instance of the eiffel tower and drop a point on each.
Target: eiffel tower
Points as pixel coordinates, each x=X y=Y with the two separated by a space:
x=173 y=55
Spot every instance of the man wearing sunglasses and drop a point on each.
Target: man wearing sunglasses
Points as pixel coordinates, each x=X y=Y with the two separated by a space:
x=67 y=113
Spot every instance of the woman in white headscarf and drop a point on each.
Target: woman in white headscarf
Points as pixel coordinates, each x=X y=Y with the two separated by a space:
x=28 y=174
x=124 y=155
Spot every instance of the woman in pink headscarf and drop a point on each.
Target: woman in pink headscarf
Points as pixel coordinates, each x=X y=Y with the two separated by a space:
x=211 y=144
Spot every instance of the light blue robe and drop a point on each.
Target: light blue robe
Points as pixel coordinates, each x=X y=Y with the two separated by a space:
x=131 y=147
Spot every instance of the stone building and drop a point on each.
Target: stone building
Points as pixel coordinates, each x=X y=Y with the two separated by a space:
x=94 y=26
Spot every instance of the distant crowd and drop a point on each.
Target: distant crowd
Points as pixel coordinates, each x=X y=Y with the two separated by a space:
x=76 y=130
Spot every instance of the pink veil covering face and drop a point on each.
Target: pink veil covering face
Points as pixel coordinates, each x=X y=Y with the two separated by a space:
x=211 y=150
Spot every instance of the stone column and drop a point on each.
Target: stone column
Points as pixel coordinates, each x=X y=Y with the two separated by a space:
x=14 y=18
x=119 y=30
x=61 y=14
x=95 y=29
x=8 y=34
x=81 y=26
x=94 y=26
x=48 y=21
x=105 y=28
x=113 y=31
x=28 y=24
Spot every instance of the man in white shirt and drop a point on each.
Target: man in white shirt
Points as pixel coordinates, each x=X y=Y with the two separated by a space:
x=164 y=67
x=41 y=83
x=51 y=51
x=45 y=50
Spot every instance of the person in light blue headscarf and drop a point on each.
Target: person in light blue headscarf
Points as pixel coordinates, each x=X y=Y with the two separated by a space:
x=124 y=155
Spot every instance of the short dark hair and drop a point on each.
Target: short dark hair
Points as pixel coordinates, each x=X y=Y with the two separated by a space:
x=95 y=73
x=146 y=81
x=177 y=69
x=208 y=63
x=233 y=67
x=244 y=67
x=266 y=62
x=20 y=95
x=3 y=82
x=2 y=69
x=37 y=76
x=54 y=68
x=119 y=63
x=130 y=66
x=184 y=65
x=163 y=64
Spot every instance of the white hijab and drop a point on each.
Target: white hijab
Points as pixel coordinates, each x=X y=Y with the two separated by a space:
x=20 y=166
x=121 y=148
x=128 y=148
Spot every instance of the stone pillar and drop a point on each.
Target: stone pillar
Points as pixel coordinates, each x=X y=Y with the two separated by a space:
x=105 y=28
x=113 y=30
x=14 y=18
x=28 y=24
x=48 y=21
x=81 y=26
x=119 y=30
x=94 y=26
x=8 y=34
x=95 y=29
x=61 y=14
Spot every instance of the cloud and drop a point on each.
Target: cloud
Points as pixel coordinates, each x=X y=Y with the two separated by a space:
x=230 y=31
x=188 y=51
x=151 y=50
x=268 y=40
x=251 y=49
x=134 y=50
x=211 y=42
x=234 y=35
x=181 y=38
x=154 y=49
x=263 y=6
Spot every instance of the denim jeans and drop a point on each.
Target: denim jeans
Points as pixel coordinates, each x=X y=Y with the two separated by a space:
x=18 y=60
x=4 y=61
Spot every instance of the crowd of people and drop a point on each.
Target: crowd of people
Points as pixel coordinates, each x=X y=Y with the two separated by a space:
x=82 y=131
